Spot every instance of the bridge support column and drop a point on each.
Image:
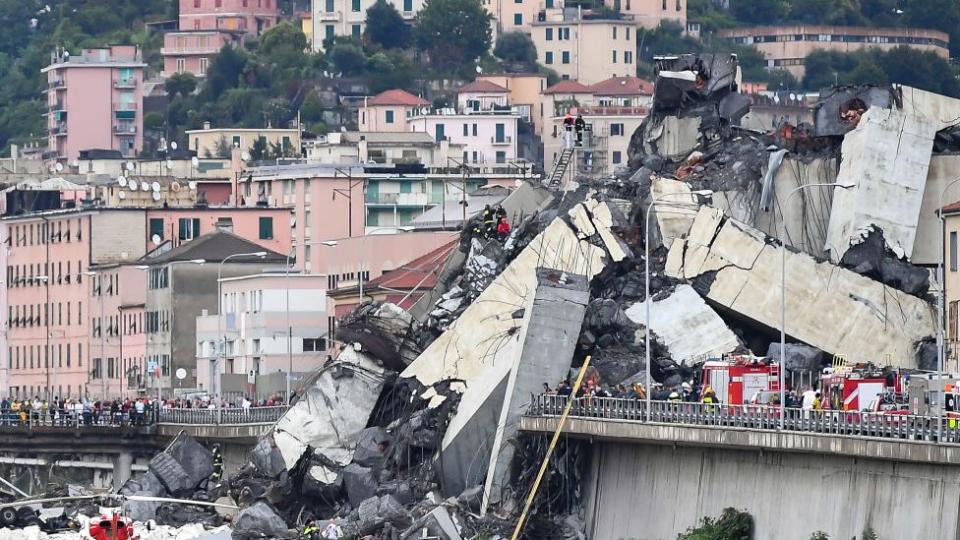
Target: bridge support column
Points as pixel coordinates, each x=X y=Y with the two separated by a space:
x=122 y=469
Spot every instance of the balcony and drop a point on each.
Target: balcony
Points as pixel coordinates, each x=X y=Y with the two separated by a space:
x=593 y=110
x=329 y=16
x=408 y=15
x=58 y=82
x=57 y=106
x=60 y=128
x=124 y=106
x=125 y=129
x=125 y=83
x=503 y=141
x=188 y=51
x=399 y=199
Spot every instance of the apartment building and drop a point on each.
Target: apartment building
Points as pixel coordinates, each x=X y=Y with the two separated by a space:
x=524 y=94
x=331 y=18
x=117 y=340
x=652 y=13
x=210 y=142
x=612 y=109
x=272 y=322
x=787 y=47
x=94 y=100
x=396 y=148
x=486 y=138
x=182 y=282
x=206 y=26
x=390 y=110
x=586 y=50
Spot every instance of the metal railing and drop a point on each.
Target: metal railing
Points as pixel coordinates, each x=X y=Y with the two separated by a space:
x=942 y=430
x=74 y=419
x=228 y=416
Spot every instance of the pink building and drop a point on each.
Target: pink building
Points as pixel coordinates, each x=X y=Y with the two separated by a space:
x=118 y=342
x=94 y=101
x=389 y=111
x=191 y=50
x=251 y=16
x=266 y=226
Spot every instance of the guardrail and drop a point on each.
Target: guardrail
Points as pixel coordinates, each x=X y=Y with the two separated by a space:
x=227 y=416
x=941 y=430
x=73 y=419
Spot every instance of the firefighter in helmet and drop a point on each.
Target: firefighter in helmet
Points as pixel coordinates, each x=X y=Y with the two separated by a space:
x=217 y=465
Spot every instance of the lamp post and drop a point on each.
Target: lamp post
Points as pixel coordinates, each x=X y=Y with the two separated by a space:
x=941 y=306
x=286 y=278
x=783 y=291
x=646 y=270
x=220 y=321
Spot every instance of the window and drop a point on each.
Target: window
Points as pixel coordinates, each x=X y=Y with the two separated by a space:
x=440 y=132
x=566 y=33
x=355 y=6
x=355 y=30
x=565 y=58
x=614 y=56
x=189 y=228
x=614 y=32
x=627 y=57
x=474 y=130
x=501 y=157
x=266 y=228
x=204 y=64
x=218 y=3
x=408 y=5
x=314 y=344
x=181 y=65
x=518 y=19
x=616 y=157
x=548 y=59
x=616 y=129
x=466 y=130
x=548 y=33
x=389 y=116
x=328 y=32
x=627 y=30
x=196 y=3
x=156 y=229
x=236 y=141
x=953 y=251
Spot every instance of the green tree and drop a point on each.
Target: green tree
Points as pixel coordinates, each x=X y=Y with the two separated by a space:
x=182 y=84
x=311 y=110
x=259 y=151
x=283 y=46
x=224 y=72
x=455 y=33
x=781 y=79
x=389 y=69
x=515 y=47
x=731 y=525
x=386 y=27
x=347 y=58
x=153 y=121
x=759 y=11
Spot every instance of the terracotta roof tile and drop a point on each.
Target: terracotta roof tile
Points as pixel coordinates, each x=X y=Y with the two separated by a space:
x=482 y=86
x=397 y=97
x=568 y=87
x=623 y=86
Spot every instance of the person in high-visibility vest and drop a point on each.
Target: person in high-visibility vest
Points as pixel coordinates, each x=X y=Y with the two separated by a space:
x=217 y=465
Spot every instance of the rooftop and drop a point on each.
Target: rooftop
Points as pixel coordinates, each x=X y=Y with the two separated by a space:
x=420 y=273
x=215 y=247
x=397 y=97
x=481 y=86
x=623 y=86
x=568 y=87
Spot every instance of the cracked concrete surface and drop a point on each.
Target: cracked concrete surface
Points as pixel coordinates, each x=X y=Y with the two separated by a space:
x=828 y=307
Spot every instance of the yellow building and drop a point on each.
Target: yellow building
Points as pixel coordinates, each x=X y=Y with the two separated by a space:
x=586 y=50
x=209 y=141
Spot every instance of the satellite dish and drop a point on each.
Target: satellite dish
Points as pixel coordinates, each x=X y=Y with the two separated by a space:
x=130 y=165
x=144 y=186
x=479 y=70
x=793 y=97
x=156 y=239
x=133 y=184
x=173 y=145
x=155 y=186
x=122 y=181
x=245 y=156
x=122 y=195
x=170 y=163
x=195 y=160
x=193 y=185
x=175 y=187
x=59 y=167
x=181 y=373
x=156 y=195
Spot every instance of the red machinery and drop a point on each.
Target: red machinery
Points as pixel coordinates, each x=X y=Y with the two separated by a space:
x=112 y=528
x=737 y=379
x=861 y=388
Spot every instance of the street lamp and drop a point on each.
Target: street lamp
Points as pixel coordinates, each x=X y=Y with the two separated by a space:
x=783 y=290
x=222 y=327
x=646 y=264
x=286 y=277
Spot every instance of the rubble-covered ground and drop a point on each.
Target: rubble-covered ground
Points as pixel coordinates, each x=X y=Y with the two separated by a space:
x=412 y=429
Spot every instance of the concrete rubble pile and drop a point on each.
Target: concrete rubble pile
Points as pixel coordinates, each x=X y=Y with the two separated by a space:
x=412 y=430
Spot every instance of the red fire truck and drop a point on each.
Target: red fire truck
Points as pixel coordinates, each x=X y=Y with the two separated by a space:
x=863 y=388
x=737 y=379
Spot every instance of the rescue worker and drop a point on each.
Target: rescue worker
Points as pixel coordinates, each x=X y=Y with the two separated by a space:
x=487 y=225
x=503 y=230
x=332 y=531
x=217 y=465
x=310 y=530
x=568 y=123
x=579 y=126
x=709 y=398
x=674 y=397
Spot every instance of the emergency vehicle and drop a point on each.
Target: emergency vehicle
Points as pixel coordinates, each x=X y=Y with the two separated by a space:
x=863 y=388
x=112 y=528
x=737 y=379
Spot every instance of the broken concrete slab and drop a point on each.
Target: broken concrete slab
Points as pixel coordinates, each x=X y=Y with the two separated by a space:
x=548 y=336
x=689 y=328
x=259 y=520
x=359 y=482
x=384 y=332
x=334 y=408
x=828 y=307
x=266 y=457
x=376 y=511
x=674 y=209
x=173 y=477
x=193 y=457
x=800 y=357
x=371 y=447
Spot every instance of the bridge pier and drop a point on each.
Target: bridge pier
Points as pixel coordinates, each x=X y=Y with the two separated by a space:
x=122 y=469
